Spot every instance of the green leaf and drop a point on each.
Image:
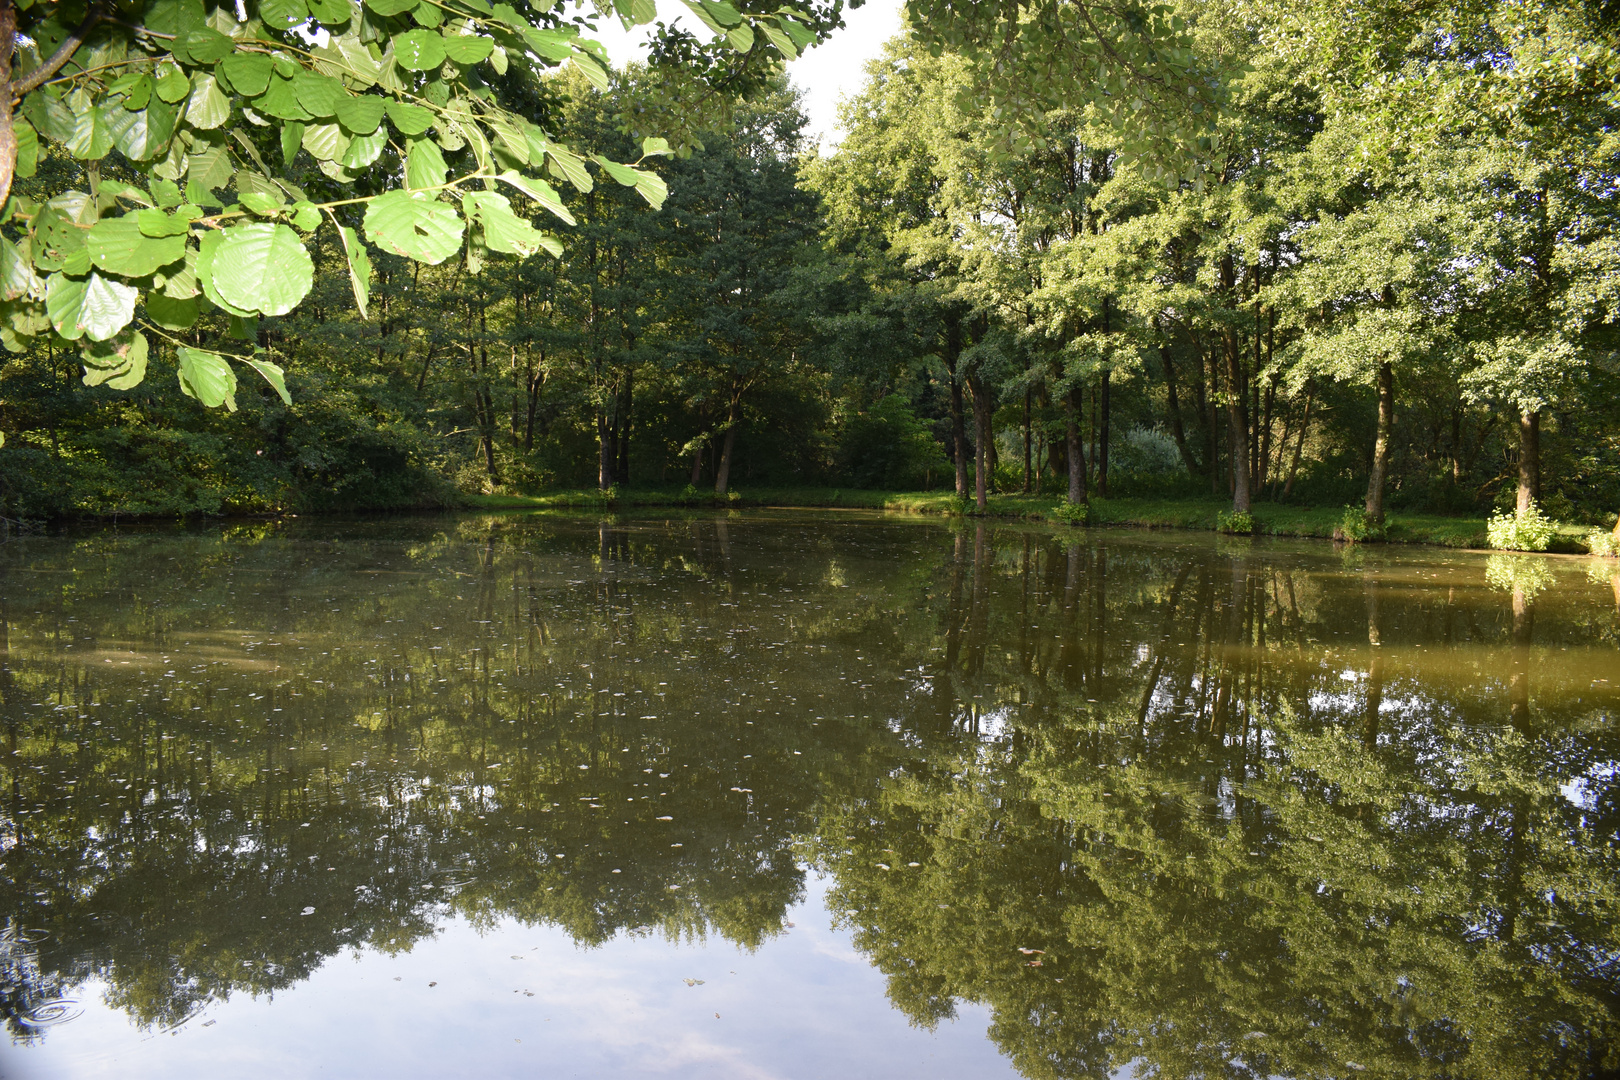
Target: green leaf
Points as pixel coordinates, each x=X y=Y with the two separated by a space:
x=292 y=137
x=319 y=94
x=306 y=217
x=117 y=246
x=593 y=71
x=141 y=136
x=273 y=375
x=652 y=146
x=364 y=149
x=359 y=267
x=92 y=138
x=156 y=223
x=108 y=307
x=173 y=86
x=262 y=267
x=208 y=108
x=120 y=363
x=180 y=280
x=262 y=203
x=331 y=12
x=249 y=73
x=704 y=17
x=643 y=11
x=780 y=40
x=424 y=165
x=740 y=38
x=541 y=192
x=172 y=314
x=419 y=50
x=624 y=174
x=202 y=46
x=166 y=192
x=427 y=14
x=802 y=35
x=467 y=49
x=64 y=300
x=207 y=377
x=569 y=166
x=283 y=14
x=550 y=44
x=503 y=230
x=204 y=270
x=408 y=119
x=209 y=166
x=56 y=238
x=17 y=278
x=27 y=148
x=326 y=142
x=414 y=225
x=722 y=12
x=360 y=115
x=280 y=100
x=94 y=307
x=651 y=186
x=391 y=7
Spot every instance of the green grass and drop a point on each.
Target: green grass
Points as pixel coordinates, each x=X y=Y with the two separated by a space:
x=1271 y=519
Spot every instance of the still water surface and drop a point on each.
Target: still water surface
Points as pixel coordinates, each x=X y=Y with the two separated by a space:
x=804 y=795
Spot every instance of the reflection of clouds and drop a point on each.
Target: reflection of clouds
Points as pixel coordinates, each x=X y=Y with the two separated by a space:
x=804 y=1005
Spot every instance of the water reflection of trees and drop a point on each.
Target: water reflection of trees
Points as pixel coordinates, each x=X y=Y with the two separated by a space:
x=1262 y=812
x=389 y=731
x=1254 y=825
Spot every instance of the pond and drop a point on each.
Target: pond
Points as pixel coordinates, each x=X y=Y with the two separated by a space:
x=802 y=794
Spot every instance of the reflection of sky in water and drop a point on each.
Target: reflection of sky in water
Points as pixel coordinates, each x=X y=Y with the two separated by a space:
x=804 y=1005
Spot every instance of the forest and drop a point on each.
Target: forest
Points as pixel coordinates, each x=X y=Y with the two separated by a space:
x=1377 y=268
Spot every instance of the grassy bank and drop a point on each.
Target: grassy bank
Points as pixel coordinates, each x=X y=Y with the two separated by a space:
x=1271 y=519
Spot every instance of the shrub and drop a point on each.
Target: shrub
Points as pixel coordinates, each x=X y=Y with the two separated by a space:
x=1236 y=522
x=1529 y=531
x=1603 y=544
x=1356 y=526
x=1072 y=513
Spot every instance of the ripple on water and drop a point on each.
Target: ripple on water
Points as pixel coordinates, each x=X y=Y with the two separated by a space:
x=51 y=1013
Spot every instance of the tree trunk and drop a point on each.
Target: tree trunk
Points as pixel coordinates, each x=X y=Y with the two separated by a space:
x=1529 y=459
x=1173 y=408
x=1299 y=447
x=697 y=465
x=604 y=448
x=981 y=431
x=722 y=471
x=1263 y=466
x=1027 y=443
x=959 y=436
x=1237 y=416
x=1386 y=424
x=8 y=132
x=1102 y=439
x=626 y=399
x=1071 y=434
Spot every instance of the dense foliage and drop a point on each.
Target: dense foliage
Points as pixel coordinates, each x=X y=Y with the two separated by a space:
x=1369 y=260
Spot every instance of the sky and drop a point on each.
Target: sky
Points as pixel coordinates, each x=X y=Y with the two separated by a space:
x=825 y=74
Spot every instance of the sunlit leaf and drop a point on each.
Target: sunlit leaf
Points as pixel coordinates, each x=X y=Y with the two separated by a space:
x=207 y=377
x=262 y=266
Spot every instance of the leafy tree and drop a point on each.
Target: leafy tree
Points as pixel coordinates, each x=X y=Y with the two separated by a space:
x=171 y=104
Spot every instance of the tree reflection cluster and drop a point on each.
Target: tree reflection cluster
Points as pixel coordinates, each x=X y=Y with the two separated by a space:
x=1240 y=810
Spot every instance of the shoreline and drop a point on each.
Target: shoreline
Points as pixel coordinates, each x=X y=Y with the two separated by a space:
x=1184 y=514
